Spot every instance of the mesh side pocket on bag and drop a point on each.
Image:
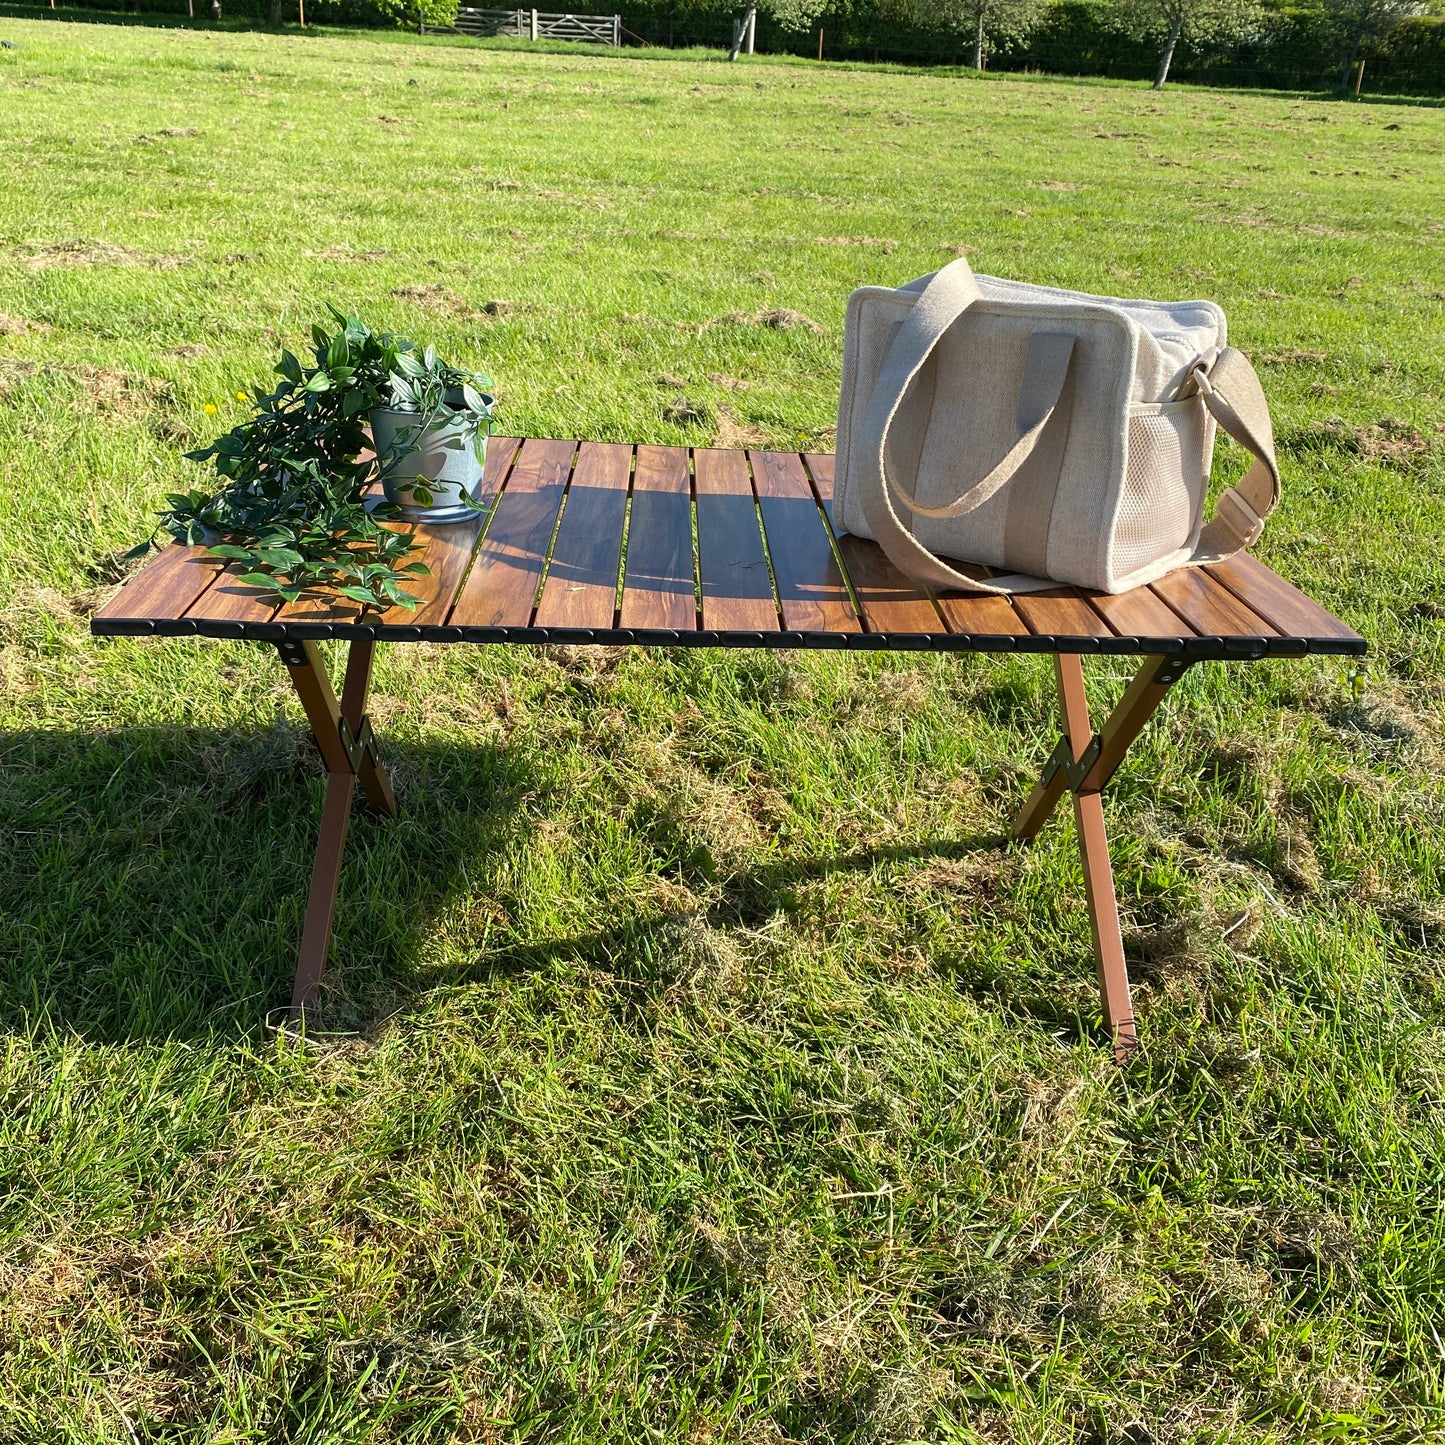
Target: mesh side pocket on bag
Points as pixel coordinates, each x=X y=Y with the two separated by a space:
x=1164 y=483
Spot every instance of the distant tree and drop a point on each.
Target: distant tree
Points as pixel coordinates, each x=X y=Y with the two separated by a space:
x=790 y=14
x=986 y=22
x=1196 y=22
x=993 y=22
x=1367 y=22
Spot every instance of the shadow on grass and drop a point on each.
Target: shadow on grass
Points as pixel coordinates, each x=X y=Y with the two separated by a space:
x=154 y=880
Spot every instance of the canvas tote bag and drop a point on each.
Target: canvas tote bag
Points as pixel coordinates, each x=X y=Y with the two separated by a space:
x=1053 y=435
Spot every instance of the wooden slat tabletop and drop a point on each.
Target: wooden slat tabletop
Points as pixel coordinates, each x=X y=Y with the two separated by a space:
x=597 y=542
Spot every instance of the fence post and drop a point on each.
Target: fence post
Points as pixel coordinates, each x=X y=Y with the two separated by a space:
x=752 y=28
x=534 y=25
x=617 y=30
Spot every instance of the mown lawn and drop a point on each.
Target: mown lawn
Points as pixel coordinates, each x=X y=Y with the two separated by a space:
x=697 y=1065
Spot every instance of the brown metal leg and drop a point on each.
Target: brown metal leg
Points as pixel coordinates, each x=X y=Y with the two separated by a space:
x=344 y=737
x=325 y=882
x=1098 y=867
x=1084 y=764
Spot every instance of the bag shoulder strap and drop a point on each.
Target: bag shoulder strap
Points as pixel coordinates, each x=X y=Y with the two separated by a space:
x=1232 y=392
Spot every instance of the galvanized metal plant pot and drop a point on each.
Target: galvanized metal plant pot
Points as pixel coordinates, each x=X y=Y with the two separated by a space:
x=431 y=484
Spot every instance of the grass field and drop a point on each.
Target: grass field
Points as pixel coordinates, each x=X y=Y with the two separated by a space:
x=697 y=1064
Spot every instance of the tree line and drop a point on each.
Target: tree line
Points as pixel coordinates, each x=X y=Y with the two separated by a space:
x=1288 y=44
x=1305 y=44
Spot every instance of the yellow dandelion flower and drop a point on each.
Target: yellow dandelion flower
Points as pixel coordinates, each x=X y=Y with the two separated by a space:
x=209 y=409
x=240 y=396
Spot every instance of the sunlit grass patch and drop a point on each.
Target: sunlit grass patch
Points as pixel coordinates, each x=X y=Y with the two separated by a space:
x=696 y=1064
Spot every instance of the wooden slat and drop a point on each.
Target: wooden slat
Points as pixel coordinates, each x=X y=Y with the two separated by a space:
x=581 y=587
x=822 y=466
x=890 y=602
x=1060 y=612
x=737 y=592
x=657 y=591
x=981 y=616
x=447 y=549
x=503 y=580
x=323 y=607
x=164 y=588
x=811 y=590
x=228 y=599
x=1279 y=603
x=1210 y=609
x=1139 y=613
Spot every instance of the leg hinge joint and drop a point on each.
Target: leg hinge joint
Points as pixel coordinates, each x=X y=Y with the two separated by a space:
x=360 y=744
x=293 y=652
x=1075 y=770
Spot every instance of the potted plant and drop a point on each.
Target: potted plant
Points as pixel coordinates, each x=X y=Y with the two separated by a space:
x=297 y=508
x=432 y=438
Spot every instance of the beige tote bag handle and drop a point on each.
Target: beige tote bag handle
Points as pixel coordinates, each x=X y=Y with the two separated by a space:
x=946 y=297
x=1229 y=386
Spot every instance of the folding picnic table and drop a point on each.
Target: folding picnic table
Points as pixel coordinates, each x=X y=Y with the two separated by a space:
x=597 y=543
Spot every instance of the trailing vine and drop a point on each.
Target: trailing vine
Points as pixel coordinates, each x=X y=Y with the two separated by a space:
x=296 y=509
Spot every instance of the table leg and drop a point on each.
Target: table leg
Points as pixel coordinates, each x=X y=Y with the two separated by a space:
x=344 y=737
x=1109 y=961
x=325 y=883
x=1083 y=764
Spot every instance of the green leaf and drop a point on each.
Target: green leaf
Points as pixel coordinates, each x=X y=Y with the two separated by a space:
x=281 y=558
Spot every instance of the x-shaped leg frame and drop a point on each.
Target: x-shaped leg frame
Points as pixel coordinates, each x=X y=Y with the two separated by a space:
x=343 y=734
x=1083 y=763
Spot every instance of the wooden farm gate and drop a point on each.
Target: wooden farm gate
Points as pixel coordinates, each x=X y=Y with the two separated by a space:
x=535 y=25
